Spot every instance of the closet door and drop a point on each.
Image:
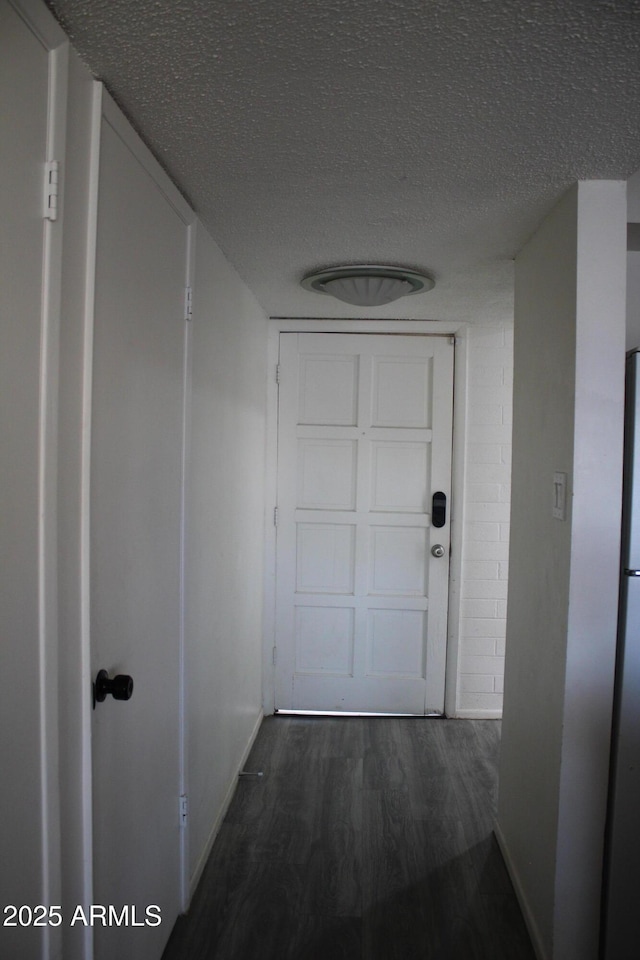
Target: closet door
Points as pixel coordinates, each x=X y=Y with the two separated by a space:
x=136 y=495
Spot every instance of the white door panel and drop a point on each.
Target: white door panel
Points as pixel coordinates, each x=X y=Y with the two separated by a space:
x=364 y=441
x=136 y=462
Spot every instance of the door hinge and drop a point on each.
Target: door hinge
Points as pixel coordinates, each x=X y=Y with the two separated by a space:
x=51 y=185
x=188 y=303
x=184 y=809
x=275 y=516
x=277 y=373
x=274 y=655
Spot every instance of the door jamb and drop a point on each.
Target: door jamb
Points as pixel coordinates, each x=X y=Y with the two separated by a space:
x=416 y=327
x=187 y=394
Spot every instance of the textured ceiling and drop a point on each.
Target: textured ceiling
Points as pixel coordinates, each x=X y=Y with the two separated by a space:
x=431 y=133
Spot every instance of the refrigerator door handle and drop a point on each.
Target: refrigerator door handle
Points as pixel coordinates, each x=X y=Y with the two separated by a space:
x=632 y=573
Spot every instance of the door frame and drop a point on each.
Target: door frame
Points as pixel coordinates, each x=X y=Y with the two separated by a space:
x=103 y=106
x=46 y=764
x=460 y=377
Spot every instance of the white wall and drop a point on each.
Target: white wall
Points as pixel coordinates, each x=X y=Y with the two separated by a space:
x=563 y=588
x=225 y=530
x=486 y=529
x=633 y=266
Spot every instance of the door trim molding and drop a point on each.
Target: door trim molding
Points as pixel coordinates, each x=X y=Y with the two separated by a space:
x=418 y=328
x=187 y=394
x=48 y=497
x=47 y=765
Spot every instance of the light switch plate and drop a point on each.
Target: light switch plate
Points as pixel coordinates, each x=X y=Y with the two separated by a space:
x=560 y=496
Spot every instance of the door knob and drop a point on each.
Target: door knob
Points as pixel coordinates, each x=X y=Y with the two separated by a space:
x=438 y=550
x=120 y=688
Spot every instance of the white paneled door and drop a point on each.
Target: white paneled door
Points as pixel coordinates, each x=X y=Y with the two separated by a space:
x=364 y=444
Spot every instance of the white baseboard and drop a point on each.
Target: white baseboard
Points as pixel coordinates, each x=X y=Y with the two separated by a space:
x=532 y=926
x=222 y=812
x=472 y=714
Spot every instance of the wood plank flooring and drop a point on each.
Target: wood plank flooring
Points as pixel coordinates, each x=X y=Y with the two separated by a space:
x=365 y=839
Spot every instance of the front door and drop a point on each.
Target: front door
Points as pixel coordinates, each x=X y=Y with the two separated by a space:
x=136 y=478
x=364 y=444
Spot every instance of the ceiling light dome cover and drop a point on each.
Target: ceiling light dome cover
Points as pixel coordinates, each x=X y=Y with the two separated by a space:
x=368 y=285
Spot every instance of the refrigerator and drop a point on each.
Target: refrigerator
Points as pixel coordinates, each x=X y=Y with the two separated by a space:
x=621 y=900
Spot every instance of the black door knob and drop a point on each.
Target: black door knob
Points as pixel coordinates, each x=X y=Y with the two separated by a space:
x=120 y=688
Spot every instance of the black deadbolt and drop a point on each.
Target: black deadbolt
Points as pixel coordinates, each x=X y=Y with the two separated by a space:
x=439 y=509
x=120 y=688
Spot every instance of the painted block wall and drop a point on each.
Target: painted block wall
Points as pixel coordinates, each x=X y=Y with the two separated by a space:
x=486 y=520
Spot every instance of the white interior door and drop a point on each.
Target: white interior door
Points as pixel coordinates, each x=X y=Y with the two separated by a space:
x=364 y=442
x=136 y=477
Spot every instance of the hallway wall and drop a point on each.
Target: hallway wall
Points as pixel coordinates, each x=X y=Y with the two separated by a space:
x=563 y=587
x=224 y=537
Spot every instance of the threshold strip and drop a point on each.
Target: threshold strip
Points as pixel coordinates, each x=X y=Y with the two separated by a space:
x=347 y=713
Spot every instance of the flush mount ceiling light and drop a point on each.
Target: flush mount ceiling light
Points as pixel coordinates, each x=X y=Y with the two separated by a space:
x=368 y=285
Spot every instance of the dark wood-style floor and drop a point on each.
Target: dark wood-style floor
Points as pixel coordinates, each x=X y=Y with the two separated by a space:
x=365 y=839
